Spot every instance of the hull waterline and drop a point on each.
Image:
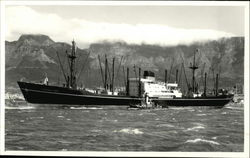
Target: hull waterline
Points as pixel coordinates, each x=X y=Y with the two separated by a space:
x=219 y=102
x=44 y=94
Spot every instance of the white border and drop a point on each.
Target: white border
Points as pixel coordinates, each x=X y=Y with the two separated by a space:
x=130 y=154
x=2 y=80
x=246 y=82
x=132 y=3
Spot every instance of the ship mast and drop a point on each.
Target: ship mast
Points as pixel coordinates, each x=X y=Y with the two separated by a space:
x=72 y=57
x=193 y=67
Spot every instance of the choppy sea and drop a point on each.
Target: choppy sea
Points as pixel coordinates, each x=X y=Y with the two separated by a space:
x=109 y=128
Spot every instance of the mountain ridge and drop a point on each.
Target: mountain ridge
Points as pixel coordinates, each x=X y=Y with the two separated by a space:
x=38 y=53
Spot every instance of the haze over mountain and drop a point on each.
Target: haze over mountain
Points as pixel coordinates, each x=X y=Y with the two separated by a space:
x=33 y=56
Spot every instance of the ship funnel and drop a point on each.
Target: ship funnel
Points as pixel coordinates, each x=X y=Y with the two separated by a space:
x=149 y=75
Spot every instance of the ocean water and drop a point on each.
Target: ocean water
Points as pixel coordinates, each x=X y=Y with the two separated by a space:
x=109 y=128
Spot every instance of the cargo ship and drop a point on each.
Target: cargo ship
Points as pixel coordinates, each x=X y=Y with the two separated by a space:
x=139 y=91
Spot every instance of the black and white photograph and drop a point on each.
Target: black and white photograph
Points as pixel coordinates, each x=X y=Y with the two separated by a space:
x=125 y=78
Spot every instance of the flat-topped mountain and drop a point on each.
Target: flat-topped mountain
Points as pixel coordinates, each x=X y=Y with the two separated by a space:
x=31 y=56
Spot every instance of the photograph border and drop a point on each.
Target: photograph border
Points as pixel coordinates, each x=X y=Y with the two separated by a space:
x=5 y=3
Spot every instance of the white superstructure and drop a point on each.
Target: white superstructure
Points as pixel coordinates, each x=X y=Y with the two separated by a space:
x=153 y=89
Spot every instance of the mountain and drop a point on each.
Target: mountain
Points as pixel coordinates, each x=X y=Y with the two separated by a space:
x=31 y=56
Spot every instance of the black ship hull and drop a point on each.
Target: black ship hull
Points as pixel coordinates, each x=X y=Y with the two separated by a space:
x=218 y=101
x=44 y=94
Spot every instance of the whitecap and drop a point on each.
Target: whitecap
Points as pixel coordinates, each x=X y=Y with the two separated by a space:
x=234 y=108
x=201 y=114
x=195 y=128
x=130 y=131
x=19 y=107
x=165 y=125
x=36 y=117
x=79 y=108
x=96 y=130
x=181 y=108
x=198 y=124
x=94 y=108
x=202 y=140
x=60 y=116
x=76 y=108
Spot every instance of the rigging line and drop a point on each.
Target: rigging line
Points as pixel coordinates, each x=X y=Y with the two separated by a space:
x=83 y=66
x=101 y=69
x=124 y=63
x=67 y=59
x=124 y=76
x=63 y=62
x=77 y=60
x=188 y=86
x=219 y=73
x=109 y=76
x=201 y=75
x=208 y=76
x=180 y=75
x=171 y=69
x=185 y=73
x=61 y=67
x=118 y=68
x=213 y=78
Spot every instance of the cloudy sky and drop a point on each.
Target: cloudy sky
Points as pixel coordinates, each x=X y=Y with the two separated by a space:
x=165 y=25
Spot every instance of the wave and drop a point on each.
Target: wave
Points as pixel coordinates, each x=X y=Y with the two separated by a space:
x=196 y=128
x=234 y=108
x=36 y=117
x=92 y=108
x=201 y=114
x=130 y=131
x=19 y=107
x=202 y=140
x=181 y=108
x=165 y=125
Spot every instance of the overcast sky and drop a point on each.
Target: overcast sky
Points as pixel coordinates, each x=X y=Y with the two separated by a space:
x=165 y=25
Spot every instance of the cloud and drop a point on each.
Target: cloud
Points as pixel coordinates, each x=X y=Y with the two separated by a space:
x=24 y=20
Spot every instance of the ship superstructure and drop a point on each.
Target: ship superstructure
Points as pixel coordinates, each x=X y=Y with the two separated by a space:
x=153 y=88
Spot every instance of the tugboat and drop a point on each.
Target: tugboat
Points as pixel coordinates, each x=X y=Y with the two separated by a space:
x=144 y=91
